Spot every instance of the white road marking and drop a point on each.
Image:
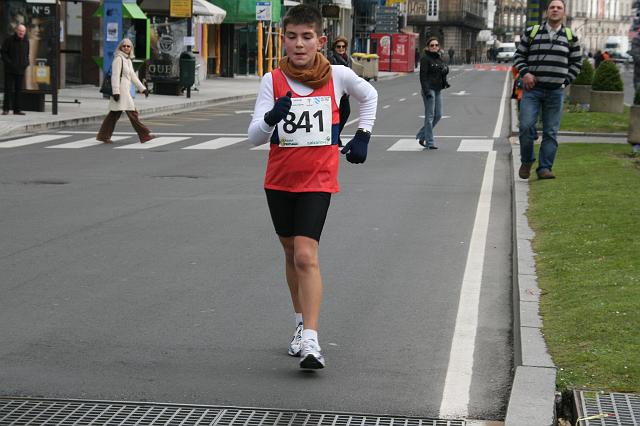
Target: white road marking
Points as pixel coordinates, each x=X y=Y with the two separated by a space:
x=216 y=143
x=475 y=145
x=263 y=147
x=402 y=99
x=350 y=122
x=244 y=111
x=457 y=385
x=460 y=93
x=496 y=131
x=154 y=143
x=443 y=117
x=386 y=106
x=414 y=94
x=86 y=143
x=374 y=135
x=32 y=140
x=406 y=145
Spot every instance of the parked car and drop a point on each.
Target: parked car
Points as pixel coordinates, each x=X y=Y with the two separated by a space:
x=621 y=58
x=505 y=52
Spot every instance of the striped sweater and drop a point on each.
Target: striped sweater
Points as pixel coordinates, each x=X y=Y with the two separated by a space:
x=553 y=61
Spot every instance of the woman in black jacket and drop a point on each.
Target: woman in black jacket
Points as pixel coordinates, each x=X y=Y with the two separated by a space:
x=339 y=55
x=433 y=78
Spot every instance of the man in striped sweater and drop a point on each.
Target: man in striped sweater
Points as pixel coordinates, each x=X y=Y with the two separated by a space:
x=548 y=59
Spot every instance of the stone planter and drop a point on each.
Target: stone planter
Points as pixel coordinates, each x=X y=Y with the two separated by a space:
x=607 y=102
x=580 y=94
x=634 y=125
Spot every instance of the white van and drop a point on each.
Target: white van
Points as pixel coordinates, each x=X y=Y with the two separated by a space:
x=505 y=52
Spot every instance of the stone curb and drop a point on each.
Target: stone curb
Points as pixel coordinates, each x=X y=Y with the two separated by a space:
x=532 y=399
x=144 y=112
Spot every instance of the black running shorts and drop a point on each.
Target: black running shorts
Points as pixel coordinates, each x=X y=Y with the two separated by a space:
x=298 y=213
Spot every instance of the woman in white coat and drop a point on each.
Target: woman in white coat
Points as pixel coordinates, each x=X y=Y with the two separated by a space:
x=122 y=75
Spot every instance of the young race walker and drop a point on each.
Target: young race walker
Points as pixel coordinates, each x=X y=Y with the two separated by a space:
x=297 y=112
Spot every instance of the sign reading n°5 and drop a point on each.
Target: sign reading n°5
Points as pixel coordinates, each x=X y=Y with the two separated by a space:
x=263 y=11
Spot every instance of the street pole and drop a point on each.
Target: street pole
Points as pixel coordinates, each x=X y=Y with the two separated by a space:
x=56 y=61
x=189 y=34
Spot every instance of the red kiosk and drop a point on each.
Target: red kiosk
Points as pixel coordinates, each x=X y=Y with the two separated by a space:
x=396 y=51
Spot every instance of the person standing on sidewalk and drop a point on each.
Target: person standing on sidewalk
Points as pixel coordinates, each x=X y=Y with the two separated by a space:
x=297 y=112
x=339 y=55
x=15 y=55
x=122 y=75
x=548 y=59
x=433 y=78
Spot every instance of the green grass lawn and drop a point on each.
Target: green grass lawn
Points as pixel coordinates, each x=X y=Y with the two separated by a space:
x=587 y=244
x=574 y=120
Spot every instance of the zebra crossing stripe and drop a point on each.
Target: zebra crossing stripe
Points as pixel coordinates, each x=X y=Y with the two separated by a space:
x=263 y=147
x=31 y=140
x=475 y=145
x=406 y=145
x=159 y=141
x=86 y=143
x=216 y=143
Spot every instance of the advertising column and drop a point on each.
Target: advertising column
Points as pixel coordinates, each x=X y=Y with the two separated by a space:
x=112 y=31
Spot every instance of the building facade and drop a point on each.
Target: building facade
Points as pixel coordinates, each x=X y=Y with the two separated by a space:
x=594 y=21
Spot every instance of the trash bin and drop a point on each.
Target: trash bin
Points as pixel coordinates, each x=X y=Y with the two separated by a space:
x=369 y=63
x=187 y=69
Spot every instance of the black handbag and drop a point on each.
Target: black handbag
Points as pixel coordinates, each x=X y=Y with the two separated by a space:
x=106 y=88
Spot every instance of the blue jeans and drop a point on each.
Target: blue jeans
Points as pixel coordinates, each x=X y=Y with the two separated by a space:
x=550 y=101
x=432 y=114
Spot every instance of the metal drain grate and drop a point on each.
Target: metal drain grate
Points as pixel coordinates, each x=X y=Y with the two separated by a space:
x=621 y=409
x=29 y=411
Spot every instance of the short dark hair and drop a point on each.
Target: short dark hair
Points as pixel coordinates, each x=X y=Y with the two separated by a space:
x=303 y=14
x=561 y=1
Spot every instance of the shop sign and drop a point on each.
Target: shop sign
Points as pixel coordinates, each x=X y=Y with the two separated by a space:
x=263 y=11
x=180 y=8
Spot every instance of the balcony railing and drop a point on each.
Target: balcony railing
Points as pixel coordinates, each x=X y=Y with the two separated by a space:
x=454 y=18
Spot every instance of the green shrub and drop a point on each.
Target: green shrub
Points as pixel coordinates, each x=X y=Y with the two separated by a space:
x=607 y=78
x=585 y=78
x=636 y=99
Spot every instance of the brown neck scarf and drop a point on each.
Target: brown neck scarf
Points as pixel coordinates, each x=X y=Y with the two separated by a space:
x=315 y=77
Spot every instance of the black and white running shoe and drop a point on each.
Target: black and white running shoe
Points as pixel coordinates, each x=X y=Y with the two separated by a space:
x=311 y=355
x=296 y=340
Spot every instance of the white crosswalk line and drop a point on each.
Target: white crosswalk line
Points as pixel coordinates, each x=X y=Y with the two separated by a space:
x=31 y=140
x=159 y=141
x=84 y=143
x=475 y=145
x=406 y=145
x=216 y=143
x=263 y=147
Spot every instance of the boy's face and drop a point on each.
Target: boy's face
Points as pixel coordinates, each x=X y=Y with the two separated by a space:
x=301 y=43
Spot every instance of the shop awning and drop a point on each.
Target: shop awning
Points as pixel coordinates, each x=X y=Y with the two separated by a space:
x=207 y=13
x=129 y=10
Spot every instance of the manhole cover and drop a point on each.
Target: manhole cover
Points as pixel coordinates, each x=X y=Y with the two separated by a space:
x=30 y=411
x=607 y=409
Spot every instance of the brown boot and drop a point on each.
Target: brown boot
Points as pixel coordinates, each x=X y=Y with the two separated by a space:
x=545 y=174
x=525 y=171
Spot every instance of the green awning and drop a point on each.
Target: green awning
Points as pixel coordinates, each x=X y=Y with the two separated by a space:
x=132 y=10
x=129 y=10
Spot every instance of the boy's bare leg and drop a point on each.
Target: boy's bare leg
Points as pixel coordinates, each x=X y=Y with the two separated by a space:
x=290 y=272
x=309 y=282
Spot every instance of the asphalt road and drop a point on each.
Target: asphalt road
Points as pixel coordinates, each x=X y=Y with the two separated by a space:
x=152 y=273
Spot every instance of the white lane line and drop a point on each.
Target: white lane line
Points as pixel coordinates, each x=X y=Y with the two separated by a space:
x=350 y=122
x=86 y=143
x=443 y=117
x=244 y=111
x=496 y=131
x=159 y=141
x=31 y=140
x=457 y=385
x=263 y=147
x=475 y=145
x=216 y=143
x=374 y=135
x=386 y=106
x=402 y=99
x=406 y=145
x=414 y=94
x=84 y=132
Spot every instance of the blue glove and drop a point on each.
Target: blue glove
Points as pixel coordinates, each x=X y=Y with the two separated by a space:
x=356 y=148
x=280 y=110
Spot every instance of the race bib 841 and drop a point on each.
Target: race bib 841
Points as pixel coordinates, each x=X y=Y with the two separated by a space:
x=308 y=123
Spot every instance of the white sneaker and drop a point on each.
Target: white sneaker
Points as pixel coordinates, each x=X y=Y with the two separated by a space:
x=294 y=345
x=311 y=354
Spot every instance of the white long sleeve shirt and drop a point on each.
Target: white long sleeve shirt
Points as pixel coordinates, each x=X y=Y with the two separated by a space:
x=345 y=81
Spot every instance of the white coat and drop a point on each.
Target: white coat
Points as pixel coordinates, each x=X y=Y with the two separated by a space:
x=122 y=85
